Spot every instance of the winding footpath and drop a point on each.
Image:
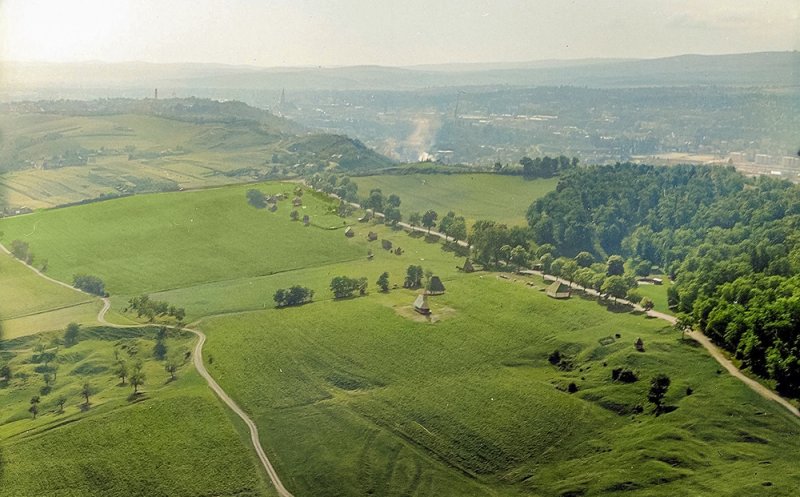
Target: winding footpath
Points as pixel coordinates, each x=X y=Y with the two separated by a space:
x=197 y=360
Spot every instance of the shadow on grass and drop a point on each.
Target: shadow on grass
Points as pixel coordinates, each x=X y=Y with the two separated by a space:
x=615 y=307
x=137 y=397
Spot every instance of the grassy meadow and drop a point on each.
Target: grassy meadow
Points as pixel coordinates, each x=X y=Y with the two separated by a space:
x=172 y=240
x=361 y=396
x=475 y=196
x=470 y=405
x=30 y=304
x=174 y=439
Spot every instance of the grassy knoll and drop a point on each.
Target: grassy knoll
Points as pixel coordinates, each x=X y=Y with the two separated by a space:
x=470 y=405
x=474 y=196
x=174 y=439
x=173 y=240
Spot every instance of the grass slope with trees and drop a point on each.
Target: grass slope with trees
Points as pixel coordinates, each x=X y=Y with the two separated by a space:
x=730 y=243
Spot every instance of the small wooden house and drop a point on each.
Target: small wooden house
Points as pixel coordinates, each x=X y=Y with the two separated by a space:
x=372 y=236
x=558 y=290
x=421 y=304
x=349 y=233
x=435 y=286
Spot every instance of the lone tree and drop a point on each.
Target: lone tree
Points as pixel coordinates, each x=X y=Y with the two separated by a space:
x=86 y=391
x=171 y=367
x=658 y=389
x=414 y=218
x=71 y=334
x=429 y=219
x=121 y=371
x=647 y=304
x=60 y=403
x=413 y=277
x=256 y=198
x=34 y=408
x=684 y=323
x=136 y=380
x=294 y=215
x=383 y=282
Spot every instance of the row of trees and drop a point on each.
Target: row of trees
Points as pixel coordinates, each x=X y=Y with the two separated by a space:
x=294 y=295
x=143 y=305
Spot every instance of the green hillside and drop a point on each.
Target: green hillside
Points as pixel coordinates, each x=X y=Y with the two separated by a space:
x=53 y=153
x=470 y=405
x=362 y=395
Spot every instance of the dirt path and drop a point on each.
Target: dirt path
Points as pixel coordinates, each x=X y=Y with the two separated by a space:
x=712 y=349
x=197 y=360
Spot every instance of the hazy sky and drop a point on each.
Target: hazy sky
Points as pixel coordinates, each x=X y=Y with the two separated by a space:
x=388 y=32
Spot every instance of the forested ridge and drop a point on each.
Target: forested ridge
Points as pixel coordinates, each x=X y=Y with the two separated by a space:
x=731 y=244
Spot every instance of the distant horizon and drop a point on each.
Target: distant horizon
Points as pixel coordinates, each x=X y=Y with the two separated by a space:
x=409 y=66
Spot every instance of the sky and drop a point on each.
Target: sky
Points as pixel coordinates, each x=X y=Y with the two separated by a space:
x=388 y=32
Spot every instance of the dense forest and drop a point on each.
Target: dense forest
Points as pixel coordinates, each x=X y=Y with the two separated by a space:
x=731 y=244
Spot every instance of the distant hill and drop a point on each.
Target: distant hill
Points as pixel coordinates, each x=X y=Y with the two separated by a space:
x=65 y=151
x=752 y=69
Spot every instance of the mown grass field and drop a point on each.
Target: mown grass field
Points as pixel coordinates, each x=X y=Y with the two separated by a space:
x=174 y=439
x=29 y=304
x=470 y=405
x=658 y=293
x=475 y=196
x=172 y=240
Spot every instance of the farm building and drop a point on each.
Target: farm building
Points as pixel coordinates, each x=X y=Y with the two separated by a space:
x=421 y=304
x=652 y=281
x=558 y=290
x=349 y=233
x=435 y=286
x=372 y=236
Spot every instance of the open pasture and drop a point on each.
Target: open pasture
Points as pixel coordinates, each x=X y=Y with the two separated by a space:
x=472 y=406
x=164 y=241
x=475 y=196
